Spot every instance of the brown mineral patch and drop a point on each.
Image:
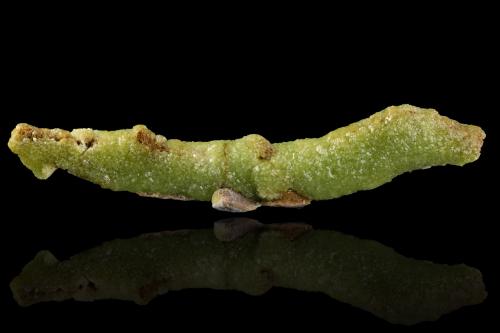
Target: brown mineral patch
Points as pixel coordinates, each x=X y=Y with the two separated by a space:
x=90 y=143
x=289 y=199
x=266 y=151
x=164 y=196
x=25 y=131
x=149 y=139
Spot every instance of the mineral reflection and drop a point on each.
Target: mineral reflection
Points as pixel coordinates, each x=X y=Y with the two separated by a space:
x=252 y=257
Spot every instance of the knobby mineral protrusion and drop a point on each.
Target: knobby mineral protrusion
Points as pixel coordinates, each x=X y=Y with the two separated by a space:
x=252 y=257
x=244 y=174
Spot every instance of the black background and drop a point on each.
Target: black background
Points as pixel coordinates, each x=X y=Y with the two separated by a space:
x=222 y=77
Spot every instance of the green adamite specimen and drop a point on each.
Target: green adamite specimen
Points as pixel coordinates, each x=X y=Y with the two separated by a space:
x=243 y=174
x=251 y=257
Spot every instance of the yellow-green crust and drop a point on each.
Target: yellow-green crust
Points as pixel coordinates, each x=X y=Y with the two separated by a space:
x=243 y=174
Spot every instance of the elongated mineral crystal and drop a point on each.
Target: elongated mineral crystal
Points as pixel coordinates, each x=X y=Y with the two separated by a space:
x=252 y=257
x=243 y=174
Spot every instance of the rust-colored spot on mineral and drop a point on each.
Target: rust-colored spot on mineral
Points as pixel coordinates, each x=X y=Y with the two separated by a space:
x=25 y=131
x=164 y=196
x=150 y=140
x=266 y=151
x=289 y=199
